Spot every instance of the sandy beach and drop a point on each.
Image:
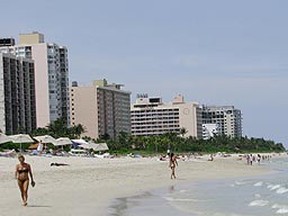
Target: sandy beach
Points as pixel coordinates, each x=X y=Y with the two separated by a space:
x=88 y=185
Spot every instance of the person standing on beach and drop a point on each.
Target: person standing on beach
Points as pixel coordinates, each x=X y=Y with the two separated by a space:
x=172 y=164
x=259 y=158
x=248 y=159
x=22 y=172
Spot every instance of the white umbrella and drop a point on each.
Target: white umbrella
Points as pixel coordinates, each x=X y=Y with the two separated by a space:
x=46 y=139
x=90 y=145
x=101 y=147
x=21 y=138
x=83 y=144
x=62 y=141
x=79 y=141
x=4 y=138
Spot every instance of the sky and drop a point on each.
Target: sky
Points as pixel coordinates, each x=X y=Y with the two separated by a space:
x=224 y=52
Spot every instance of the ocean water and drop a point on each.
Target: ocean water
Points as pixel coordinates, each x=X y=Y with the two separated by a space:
x=263 y=195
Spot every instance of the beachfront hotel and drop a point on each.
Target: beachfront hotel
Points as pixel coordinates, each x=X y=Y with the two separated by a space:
x=227 y=118
x=150 y=116
x=51 y=75
x=17 y=94
x=102 y=108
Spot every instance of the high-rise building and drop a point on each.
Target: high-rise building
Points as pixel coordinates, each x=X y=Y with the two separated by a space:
x=17 y=94
x=51 y=75
x=150 y=116
x=227 y=118
x=102 y=108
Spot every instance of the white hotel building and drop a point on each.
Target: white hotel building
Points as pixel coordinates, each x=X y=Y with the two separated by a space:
x=150 y=116
x=227 y=118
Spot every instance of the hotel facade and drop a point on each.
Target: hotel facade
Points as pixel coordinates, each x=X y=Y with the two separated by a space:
x=150 y=116
x=227 y=119
x=51 y=75
x=103 y=109
x=17 y=94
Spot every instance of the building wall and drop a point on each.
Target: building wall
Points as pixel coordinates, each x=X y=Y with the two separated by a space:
x=228 y=119
x=101 y=109
x=114 y=111
x=190 y=119
x=2 y=97
x=146 y=121
x=31 y=38
x=149 y=116
x=17 y=94
x=84 y=109
x=64 y=84
x=39 y=54
x=51 y=76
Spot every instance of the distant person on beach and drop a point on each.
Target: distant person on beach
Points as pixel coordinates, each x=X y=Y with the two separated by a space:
x=59 y=164
x=211 y=157
x=248 y=159
x=172 y=164
x=259 y=158
x=22 y=172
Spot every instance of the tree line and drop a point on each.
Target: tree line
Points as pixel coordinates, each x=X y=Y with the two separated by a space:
x=178 y=143
x=161 y=143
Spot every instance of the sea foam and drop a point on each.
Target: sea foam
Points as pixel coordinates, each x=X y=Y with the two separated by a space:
x=282 y=209
x=259 y=203
x=273 y=187
x=258 y=184
x=282 y=190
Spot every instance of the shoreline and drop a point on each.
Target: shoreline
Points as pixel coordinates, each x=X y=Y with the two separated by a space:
x=88 y=186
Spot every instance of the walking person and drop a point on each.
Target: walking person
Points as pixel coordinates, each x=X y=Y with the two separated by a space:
x=259 y=158
x=172 y=164
x=248 y=159
x=251 y=159
x=22 y=173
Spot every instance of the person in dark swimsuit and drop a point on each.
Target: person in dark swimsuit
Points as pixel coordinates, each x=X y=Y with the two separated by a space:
x=172 y=164
x=22 y=172
x=59 y=164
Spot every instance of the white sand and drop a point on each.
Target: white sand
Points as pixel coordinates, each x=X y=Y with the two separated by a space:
x=88 y=185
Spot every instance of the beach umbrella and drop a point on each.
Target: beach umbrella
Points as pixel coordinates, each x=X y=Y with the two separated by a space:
x=62 y=141
x=4 y=138
x=103 y=147
x=82 y=143
x=46 y=139
x=99 y=146
x=78 y=142
x=90 y=145
x=21 y=138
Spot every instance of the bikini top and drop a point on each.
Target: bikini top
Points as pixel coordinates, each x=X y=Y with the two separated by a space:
x=23 y=170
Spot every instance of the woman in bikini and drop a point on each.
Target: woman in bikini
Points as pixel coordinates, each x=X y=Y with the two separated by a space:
x=172 y=164
x=22 y=172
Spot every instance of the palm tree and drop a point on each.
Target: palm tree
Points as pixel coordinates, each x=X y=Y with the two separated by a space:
x=183 y=131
